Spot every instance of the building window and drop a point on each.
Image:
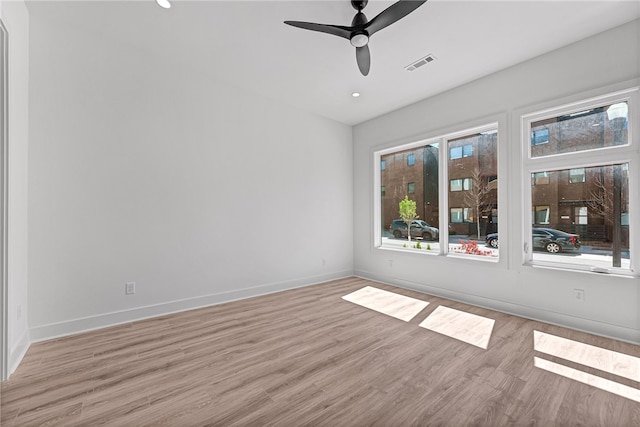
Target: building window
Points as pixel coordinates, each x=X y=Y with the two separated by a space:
x=576 y=176
x=461 y=151
x=540 y=136
x=383 y=165
x=590 y=144
x=460 y=184
x=541 y=215
x=411 y=187
x=540 y=178
x=460 y=215
x=383 y=190
x=411 y=159
x=581 y=215
x=467 y=184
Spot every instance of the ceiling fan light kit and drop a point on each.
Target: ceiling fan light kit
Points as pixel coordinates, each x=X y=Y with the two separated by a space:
x=361 y=29
x=164 y=4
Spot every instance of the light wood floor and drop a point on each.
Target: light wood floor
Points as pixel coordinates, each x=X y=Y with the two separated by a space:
x=307 y=357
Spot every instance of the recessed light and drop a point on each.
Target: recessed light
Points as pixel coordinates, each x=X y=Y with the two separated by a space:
x=164 y=3
x=355 y=94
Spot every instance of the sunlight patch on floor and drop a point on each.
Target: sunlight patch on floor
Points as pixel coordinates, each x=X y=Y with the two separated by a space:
x=609 y=361
x=463 y=326
x=389 y=303
x=589 y=379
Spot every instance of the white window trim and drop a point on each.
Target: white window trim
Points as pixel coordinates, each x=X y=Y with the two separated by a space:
x=629 y=153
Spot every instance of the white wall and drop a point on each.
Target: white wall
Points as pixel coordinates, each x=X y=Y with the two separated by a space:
x=16 y=20
x=146 y=171
x=610 y=60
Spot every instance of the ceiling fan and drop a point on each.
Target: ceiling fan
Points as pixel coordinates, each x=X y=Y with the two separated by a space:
x=362 y=29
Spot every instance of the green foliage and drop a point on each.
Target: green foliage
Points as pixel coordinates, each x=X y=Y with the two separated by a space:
x=407 y=210
x=417 y=245
x=428 y=247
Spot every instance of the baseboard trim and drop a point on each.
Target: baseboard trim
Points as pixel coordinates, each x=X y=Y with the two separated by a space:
x=17 y=353
x=607 y=330
x=86 y=324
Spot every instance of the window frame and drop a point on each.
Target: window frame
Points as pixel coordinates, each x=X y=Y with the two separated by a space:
x=593 y=157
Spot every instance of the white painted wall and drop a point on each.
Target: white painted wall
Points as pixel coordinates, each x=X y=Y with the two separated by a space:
x=609 y=60
x=146 y=171
x=16 y=20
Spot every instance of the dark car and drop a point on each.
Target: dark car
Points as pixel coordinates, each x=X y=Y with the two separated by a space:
x=548 y=239
x=419 y=229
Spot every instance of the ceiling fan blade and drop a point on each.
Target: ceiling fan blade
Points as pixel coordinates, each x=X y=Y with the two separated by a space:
x=392 y=14
x=336 y=30
x=363 y=58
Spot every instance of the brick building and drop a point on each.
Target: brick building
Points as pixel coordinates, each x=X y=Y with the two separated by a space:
x=414 y=172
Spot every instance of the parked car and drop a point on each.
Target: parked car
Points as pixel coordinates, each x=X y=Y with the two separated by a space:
x=419 y=229
x=548 y=239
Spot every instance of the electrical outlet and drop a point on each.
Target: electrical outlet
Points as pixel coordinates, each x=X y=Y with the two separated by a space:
x=130 y=288
x=579 y=294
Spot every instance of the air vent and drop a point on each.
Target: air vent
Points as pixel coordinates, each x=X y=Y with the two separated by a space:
x=420 y=62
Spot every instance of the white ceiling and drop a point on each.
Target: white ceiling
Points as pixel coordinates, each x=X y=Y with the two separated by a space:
x=245 y=43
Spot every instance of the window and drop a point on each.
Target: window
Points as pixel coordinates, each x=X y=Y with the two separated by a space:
x=459 y=215
x=540 y=178
x=541 y=215
x=471 y=196
x=464 y=204
x=540 y=136
x=418 y=182
x=581 y=215
x=383 y=190
x=460 y=152
x=460 y=184
x=455 y=185
x=576 y=175
x=383 y=165
x=585 y=129
x=582 y=226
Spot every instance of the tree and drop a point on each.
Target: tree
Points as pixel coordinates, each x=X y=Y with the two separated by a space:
x=476 y=195
x=407 y=209
x=607 y=201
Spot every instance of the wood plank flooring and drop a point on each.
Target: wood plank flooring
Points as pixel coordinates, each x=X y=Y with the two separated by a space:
x=306 y=357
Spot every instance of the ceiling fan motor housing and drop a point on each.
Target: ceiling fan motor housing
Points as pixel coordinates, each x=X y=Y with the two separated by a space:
x=359 y=4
